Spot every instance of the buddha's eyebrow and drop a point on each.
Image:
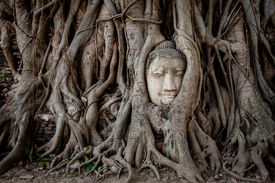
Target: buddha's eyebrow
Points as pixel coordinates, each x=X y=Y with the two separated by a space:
x=158 y=69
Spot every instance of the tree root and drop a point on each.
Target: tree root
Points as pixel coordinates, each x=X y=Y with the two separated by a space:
x=17 y=152
x=101 y=177
x=60 y=165
x=204 y=146
x=79 y=156
x=188 y=172
x=122 y=161
x=149 y=164
x=236 y=175
x=254 y=154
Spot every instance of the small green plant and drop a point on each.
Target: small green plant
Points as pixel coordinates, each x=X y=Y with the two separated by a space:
x=90 y=166
x=27 y=151
x=71 y=175
x=100 y=168
x=37 y=154
x=43 y=162
x=46 y=159
x=3 y=74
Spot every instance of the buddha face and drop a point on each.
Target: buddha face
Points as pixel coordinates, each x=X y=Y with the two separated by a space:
x=164 y=78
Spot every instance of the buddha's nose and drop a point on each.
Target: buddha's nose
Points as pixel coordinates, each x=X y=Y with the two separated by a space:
x=168 y=83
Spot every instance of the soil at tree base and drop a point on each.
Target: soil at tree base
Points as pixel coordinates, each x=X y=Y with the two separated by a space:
x=30 y=173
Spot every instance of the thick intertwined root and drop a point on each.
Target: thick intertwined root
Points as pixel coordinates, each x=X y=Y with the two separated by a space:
x=244 y=158
x=204 y=146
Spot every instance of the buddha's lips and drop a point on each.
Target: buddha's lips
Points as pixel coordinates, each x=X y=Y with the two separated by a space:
x=168 y=94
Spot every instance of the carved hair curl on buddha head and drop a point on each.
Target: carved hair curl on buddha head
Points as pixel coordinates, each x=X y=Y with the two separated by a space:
x=165 y=68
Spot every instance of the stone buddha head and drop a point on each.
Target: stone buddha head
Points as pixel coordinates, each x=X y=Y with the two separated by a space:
x=165 y=68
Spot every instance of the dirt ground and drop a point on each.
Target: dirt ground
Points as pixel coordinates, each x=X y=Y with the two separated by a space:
x=30 y=173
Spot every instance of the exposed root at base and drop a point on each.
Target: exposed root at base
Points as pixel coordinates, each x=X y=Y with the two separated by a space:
x=236 y=175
